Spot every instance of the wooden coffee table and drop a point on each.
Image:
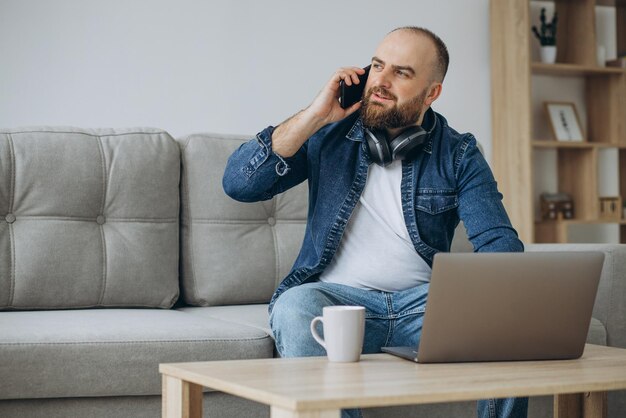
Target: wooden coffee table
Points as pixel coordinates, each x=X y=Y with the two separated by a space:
x=315 y=388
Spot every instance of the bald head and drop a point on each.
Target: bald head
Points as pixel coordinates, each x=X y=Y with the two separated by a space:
x=437 y=55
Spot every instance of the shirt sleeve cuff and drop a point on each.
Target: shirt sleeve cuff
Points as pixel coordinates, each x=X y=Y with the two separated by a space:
x=264 y=138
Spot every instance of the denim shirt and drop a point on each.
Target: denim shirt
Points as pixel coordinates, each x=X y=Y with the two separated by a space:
x=447 y=181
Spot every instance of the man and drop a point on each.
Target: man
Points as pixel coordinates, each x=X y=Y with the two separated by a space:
x=373 y=229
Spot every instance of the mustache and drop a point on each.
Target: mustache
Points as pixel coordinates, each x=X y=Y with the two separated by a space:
x=382 y=92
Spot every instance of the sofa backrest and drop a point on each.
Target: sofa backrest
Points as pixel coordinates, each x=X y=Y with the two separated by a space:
x=88 y=218
x=232 y=252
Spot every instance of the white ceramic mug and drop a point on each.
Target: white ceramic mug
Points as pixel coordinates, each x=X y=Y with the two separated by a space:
x=344 y=327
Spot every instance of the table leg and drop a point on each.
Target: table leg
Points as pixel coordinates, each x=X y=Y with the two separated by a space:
x=580 y=405
x=568 y=405
x=181 y=399
x=277 y=412
x=594 y=405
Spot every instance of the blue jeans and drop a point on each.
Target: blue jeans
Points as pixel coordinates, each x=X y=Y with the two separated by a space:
x=391 y=319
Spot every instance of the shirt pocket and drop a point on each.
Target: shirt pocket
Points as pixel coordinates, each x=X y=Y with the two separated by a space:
x=436 y=203
x=436 y=217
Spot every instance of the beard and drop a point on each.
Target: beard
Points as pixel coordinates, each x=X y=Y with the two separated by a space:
x=376 y=116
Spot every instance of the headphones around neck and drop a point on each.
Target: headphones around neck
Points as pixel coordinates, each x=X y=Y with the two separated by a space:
x=383 y=152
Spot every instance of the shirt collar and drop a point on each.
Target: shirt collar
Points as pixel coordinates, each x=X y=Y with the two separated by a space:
x=357 y=133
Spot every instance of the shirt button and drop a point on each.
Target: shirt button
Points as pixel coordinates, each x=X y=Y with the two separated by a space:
x=271 y=221
x=10 y=218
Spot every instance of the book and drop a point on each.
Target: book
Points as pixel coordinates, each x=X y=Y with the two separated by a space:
x=619 y=63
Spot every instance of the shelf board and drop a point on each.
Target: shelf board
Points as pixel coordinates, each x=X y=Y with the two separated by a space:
x=573 y=69
x=611 y=3
x=552 y=143
x=581 y=222
x=608 y=3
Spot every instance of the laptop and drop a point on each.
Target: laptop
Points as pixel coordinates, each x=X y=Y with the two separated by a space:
x=507 y=306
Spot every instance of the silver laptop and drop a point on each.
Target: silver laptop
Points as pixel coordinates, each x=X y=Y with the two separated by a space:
x=507 y=306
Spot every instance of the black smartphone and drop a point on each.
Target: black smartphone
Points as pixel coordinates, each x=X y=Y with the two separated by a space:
x=349 y=95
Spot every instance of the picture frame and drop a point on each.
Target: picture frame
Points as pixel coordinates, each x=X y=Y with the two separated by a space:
x=564 y=121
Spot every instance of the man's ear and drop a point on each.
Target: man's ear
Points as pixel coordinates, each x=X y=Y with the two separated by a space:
x=433 y=93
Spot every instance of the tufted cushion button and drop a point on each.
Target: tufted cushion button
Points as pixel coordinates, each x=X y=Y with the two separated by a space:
x=271 y=221
x=10 y=218
x=100 y=219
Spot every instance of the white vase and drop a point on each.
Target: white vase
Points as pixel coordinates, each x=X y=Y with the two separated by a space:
x=548 y=54
x=601 y=55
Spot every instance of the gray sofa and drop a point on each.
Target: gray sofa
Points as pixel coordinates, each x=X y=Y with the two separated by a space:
x=120 y=251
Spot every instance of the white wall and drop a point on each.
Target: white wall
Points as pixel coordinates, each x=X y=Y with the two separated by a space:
x=217 y=66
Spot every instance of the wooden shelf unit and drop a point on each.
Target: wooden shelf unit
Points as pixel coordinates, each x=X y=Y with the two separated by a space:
x=512 y=117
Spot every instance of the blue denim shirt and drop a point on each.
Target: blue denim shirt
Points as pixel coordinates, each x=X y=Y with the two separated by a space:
x=448 y=181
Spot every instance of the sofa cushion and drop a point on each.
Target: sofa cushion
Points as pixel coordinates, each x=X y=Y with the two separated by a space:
x=597 y=333
x=214 y=405
x=255 y=316
x=111 y=352
x=232 y=252
x=88 y=218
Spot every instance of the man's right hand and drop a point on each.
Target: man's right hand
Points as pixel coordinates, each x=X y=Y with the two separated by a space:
x=326 y=106
x=289 y=136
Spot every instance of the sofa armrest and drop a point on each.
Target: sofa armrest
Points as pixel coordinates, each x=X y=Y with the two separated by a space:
x=610 y=305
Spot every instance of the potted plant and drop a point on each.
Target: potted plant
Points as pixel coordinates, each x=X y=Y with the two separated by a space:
x=546 y=34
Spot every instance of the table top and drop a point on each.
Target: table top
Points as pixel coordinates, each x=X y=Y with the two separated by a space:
x=382 y=379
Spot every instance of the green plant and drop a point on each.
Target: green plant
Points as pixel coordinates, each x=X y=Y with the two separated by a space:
x=547 y=32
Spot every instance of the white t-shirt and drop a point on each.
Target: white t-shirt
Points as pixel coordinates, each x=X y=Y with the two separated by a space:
x=376 y=251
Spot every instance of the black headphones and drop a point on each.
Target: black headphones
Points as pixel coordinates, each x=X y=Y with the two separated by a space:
x=383 y=152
